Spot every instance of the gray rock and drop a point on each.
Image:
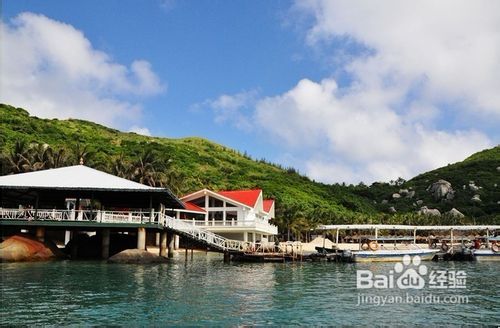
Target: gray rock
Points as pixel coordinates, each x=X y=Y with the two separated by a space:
x=419 y=202
x=384 y=201
x=473 y=187
x=440 y=189
x=396 y=196
x=495 y=185
x=498 y=168
x=392 y=210
x=476 y=198
x=429 y=211
x=411 y=194
x=454 y=213
x=403 y=192
x=136 y=256
x=450 y=195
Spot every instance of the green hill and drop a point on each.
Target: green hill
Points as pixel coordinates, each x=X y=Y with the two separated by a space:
x=193 y=163
x=188 y=164
x=479 y=175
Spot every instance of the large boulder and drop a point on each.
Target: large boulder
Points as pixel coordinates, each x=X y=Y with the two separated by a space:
x=424 y=210
x=136 y=256
x=454 y=213
x=441 y=190
x=24 y=248
x=476 y=199
x=410 y=194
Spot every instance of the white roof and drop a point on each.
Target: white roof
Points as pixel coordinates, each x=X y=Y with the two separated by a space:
x=71 y=177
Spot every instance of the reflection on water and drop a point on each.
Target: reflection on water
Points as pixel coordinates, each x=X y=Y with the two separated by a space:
x=206 y=291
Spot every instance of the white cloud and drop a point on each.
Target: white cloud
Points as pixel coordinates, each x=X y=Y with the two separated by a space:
x=356 y=136
x=52 y=69
x=423 y=66
x=451 y=47
x=140 y=130
x=229 y=108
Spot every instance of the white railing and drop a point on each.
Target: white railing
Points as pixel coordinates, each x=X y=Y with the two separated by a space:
x=259 y=224
x=80 y=215
x=188 y=228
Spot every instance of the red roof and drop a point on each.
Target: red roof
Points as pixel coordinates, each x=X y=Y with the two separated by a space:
x=268 y=203
x=247 y=197
x=192 y=207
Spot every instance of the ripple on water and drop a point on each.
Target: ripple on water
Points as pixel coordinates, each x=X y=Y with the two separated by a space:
x=208 y=292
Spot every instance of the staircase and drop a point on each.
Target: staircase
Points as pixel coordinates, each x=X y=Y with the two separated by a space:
x=200 y=235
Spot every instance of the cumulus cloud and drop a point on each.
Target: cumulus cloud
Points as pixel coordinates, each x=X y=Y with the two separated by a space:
x=422 y=80
x=230 y=108
x=356 y=136
x=52 y=69
x=140 y=130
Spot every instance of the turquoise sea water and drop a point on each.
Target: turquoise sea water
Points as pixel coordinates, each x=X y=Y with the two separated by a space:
x=206 y=291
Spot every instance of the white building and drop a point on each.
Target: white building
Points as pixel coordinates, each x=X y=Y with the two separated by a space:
x=239 y=214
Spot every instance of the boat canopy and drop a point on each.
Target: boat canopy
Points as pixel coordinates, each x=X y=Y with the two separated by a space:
x=404 y=227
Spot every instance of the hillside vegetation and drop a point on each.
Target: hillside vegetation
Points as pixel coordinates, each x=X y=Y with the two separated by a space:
x=185 y=165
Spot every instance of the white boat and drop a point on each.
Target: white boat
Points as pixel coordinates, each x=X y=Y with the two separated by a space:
x=392 y=255
x=488 y=254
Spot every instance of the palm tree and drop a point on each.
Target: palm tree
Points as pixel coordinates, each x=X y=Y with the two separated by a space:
x=147 y=169
x=59 y=158
x=40 y=156
x=18 y=158
x=81 y=154
x=121 y=167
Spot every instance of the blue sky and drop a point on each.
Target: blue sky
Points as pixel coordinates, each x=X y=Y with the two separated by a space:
x=324 y=86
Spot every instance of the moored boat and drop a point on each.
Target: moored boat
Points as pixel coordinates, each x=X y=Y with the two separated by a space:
x=392 y=255
x=491 y=253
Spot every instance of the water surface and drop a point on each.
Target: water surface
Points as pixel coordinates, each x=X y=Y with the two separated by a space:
x=206 y=291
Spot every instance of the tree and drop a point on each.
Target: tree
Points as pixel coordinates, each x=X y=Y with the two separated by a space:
x=18 y=158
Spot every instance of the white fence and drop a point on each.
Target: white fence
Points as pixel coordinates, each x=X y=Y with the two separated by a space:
x=190 y=229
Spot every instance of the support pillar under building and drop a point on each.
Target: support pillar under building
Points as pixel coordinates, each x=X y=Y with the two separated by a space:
x=141 y=238
x=176 y=245
x=40 y=233
x=163 y=244
x=105 y=243
x=171 y=243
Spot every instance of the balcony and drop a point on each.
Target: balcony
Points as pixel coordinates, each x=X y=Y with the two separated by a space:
x=235 y=225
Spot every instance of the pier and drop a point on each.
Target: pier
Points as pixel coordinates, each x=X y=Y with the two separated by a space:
x=77 y=199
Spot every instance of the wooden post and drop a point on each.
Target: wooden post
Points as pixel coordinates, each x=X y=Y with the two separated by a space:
x=171 y=242
x=36 y=205
x=141 y=238
x=337 y=238
x=487 y=238
x=451 y=241
x=105 y=243
x=163 y=243
x=324 y=239
x=40 y=233
x=227 y=257
x=186 y=248
x=151 y=210
x=415 y=235
x=191 y=253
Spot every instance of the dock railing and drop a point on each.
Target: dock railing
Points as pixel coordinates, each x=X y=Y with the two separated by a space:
x=126 y=217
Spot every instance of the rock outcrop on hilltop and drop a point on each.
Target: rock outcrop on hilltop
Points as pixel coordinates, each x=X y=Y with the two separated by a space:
x=429 y=211
x=454 y=213
x=441 y=190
